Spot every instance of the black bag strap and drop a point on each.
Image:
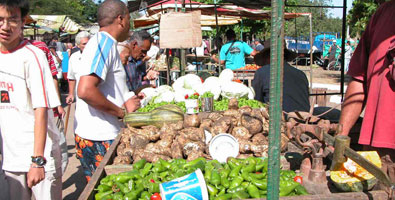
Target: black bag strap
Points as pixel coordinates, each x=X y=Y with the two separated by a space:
x=226 y=54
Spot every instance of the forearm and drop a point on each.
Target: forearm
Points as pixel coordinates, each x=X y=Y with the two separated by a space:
x=71 y=87
x=352 y=106
x=93 y=97
x=55 y=81
x=40 y=131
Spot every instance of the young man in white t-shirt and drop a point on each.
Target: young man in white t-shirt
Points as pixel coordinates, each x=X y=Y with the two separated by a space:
x=101 y=88
x=31 y=154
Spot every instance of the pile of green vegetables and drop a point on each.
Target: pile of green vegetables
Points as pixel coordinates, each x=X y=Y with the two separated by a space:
x=220 y=105
x=237 y=179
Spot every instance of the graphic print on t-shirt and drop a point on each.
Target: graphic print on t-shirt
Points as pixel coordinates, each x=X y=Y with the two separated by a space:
x=5 y=98
x=234 y=50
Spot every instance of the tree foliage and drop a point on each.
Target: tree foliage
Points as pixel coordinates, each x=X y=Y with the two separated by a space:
x=82 y=11
x=360 y=14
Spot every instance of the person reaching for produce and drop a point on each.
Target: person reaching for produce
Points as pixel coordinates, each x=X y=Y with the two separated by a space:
x=137 y=75
x=232 y=53
x=295 y=85
x=102 y=91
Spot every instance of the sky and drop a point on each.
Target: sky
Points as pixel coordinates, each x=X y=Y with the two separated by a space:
x=338 y=12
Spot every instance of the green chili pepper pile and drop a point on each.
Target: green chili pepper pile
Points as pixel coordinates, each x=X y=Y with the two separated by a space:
x=152 y=106
x=237 y=179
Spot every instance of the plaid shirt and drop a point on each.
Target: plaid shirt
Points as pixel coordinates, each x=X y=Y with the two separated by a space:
x=44 y=48
x=135 y=72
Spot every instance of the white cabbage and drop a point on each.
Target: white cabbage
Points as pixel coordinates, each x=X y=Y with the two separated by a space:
x=226 y=75
x=234 y=90
x=212 y=84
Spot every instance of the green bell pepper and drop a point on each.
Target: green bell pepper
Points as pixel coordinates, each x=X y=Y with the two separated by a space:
x=253 y=191
x=261 y=184
x=235 y=171
x=212 y=190
x=286 y=187
x=164 y=163
x=223 y=197
x=139 y=164
x=153 y=187
x=123 y=187
x=300 y=190
x=123 y=178
x=240 y=195
x=145 y=195
x=236 y=189
x=103 y=188
x=236 y=182
x=215 y=178
x=117 y=196
x=100 y=195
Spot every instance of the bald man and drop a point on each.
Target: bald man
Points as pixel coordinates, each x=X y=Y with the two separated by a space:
x=103 y=97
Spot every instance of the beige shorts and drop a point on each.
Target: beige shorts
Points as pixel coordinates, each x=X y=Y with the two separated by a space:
x=48 y=189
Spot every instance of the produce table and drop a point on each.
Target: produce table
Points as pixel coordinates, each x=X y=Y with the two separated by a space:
x=89 y=192
x=245 y=75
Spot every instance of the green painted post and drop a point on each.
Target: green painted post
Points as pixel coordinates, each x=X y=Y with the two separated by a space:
x=275 y=109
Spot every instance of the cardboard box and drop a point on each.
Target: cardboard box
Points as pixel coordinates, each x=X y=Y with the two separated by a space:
x=180 y=30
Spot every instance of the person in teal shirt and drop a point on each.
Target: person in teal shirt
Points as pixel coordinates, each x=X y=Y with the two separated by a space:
x=232 y=53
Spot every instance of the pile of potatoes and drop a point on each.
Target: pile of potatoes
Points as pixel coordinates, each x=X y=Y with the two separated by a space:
x=187 y=139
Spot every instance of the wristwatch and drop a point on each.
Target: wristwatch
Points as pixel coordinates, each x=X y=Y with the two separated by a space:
x=39 y=160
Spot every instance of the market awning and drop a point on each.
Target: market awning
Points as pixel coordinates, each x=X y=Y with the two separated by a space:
x=57 y=23
x=250 y=3
x=206 y=20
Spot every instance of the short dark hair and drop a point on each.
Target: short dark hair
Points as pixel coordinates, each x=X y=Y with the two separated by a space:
x=109 y=10
x=140 y=36
x=230 y=34
x=23 y=5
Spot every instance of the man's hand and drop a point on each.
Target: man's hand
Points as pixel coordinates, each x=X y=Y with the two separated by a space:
x=133 y=103
x=61 y=111
x=35 y=176
x=70 y=99
x=152 y=75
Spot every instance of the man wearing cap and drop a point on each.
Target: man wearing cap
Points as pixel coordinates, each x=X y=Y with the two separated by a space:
x=295 y=85
x=232 y=53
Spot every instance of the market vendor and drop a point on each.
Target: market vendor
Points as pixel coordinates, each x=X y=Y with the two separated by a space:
x=103 y=96
x=232 y=53
x=136 y=71
x=295 y=85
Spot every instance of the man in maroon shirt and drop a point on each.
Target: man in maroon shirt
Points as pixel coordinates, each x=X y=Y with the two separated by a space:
x=372 y=88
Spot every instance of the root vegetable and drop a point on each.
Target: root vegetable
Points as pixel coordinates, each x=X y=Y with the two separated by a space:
x=241 y=132
x=206 y=124
x=191 y=121
x=177 y=126
x=232 y=113
x=245 y=110
x=157 y=148
x=222 y=125
x=127 y=151
x=176 y=151
x=194 y=134
x=195 y=155
x=151 y=132
x=233 y=104
x=253 y=124
x=265 y=113
x=122 y=160
x=139 y=141
x=259 y=139
x=192 y=147
x=284 y=142
x=120 y=148
x=259 y=150
x=215 y=116
x=244 y=146
x=256 y=112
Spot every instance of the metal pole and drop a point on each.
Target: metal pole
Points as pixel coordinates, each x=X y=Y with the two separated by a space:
x=216 y=35
x=241 y=30
x=183 y=60
x=343 y=47
x=311 y=53
x=275 y=109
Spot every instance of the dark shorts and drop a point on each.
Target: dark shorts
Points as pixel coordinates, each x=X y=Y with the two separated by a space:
x=90 y=153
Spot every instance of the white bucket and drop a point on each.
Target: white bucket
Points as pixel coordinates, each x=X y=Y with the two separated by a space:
x=188 y=187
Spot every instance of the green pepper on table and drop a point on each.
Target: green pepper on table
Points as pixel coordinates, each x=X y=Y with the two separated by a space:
x=117 y=196
x=253 y=191
x=212 y=190
x=286 y=187
x=235 y=171
x=300 y=190
x=236 y=182
x=240 y=195
x=103 y=188
x=139 y=164
x=261 y=184
x=101 y=195
x=215 y=178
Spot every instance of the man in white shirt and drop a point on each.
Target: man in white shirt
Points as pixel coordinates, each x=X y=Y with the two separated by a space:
x=101 y=88
x=31 y=154
x=81 y=40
